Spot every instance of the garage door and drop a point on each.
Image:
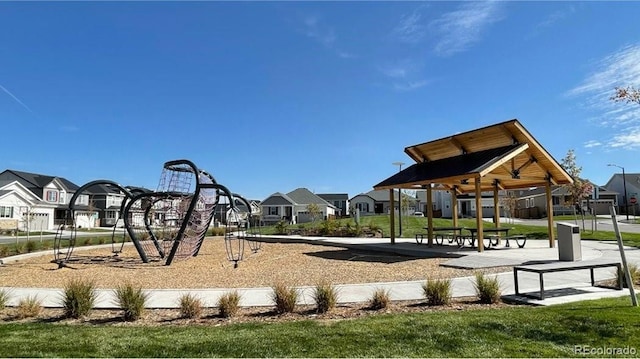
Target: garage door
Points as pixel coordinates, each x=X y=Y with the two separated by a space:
x=39 y=222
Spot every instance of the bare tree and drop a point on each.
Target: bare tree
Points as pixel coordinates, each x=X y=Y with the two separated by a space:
x=579 y=189
x=627 y=94
x=314 y=211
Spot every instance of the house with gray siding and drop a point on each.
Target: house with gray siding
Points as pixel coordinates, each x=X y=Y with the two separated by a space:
x=293 y=207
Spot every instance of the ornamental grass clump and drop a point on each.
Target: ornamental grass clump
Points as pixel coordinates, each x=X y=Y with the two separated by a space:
x=325 y=296
x=380 y=299
x=487 y=289
x=229 y=304
x=28 y=307
x=4 y=298
x=78 y=298
x=284 y=298
x=437 y=291
x=635 y=275
x=190 y=306
x=132 y=300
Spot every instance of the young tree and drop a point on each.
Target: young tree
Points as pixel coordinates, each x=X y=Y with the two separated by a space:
x=314 y=211
x=627 y=94
x=580 y=189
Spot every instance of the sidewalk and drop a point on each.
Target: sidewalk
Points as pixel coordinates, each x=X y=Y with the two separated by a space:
x=560 y=287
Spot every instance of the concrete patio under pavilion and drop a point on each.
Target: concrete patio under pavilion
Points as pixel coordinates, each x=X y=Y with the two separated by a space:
x=504 y=156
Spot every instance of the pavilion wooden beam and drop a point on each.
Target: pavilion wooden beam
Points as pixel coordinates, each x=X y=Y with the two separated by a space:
x=454 y=206
x=479 y=215
x=430 y=214
x=496 y=206
x=392 y=218
x=523 y=147
x=552 y=241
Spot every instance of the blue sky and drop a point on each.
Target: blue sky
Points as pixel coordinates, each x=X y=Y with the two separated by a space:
x=272 y=96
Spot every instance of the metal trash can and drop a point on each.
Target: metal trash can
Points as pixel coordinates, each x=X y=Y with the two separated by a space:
x=569 y=246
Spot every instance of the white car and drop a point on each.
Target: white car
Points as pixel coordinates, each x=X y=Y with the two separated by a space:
x=418 y=214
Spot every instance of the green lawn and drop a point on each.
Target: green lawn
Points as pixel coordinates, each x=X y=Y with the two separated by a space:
x=412 y=225
x=510 y=332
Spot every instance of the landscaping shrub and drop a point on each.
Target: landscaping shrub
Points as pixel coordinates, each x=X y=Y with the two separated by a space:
x=4 y=251
x=229 y=304
x=325 y=296
x=487 y=289
x=284 y=298
x=28 y=307
x=102 y=240
x=4 y=298
x=19 y=248
x=635 y=275
x=78 y=299
x=31 y=246
x=380 y=299
x=190 y=306
x=216 y=231
x=132 y=300
x=281 y=227
x=86 y=241
x=438 y=291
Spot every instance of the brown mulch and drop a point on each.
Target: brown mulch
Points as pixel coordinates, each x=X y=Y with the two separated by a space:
x=211 y=316
x=290 y=263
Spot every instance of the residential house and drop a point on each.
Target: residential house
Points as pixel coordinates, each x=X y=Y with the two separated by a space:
x=39 y=202
x=532 y=203
x=442 y=204
x=617 y=184
x=293 y=207
x=378 y=202
x=339 y=200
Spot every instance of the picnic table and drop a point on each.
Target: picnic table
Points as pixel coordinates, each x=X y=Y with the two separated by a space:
x=452 y=233
x=521 y=240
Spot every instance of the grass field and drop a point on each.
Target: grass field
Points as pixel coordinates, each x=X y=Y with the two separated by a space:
x=509 y=332
x=412 y=225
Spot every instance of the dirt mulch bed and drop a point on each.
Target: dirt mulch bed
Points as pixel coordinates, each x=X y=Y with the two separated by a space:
x=211 y=316
x=290 y=263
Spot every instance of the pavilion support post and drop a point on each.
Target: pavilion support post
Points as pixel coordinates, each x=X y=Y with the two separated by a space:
x=430 y=214
x=454 y=206
x=479 y=215
x=392 y=218
x=552 y=240
x=496 y=208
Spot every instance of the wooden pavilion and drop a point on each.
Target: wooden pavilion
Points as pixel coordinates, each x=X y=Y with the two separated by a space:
x=503 y=156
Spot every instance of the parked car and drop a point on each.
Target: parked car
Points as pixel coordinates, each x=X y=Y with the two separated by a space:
x=418 y=214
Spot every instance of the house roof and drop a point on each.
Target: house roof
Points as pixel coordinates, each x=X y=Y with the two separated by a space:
x=505 y=154
x=333 y=196
x=304 y=196
x=36 y=182
x=383 y=195
x=277 y=199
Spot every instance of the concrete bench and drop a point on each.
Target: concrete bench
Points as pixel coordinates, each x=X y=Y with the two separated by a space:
x=553 y=267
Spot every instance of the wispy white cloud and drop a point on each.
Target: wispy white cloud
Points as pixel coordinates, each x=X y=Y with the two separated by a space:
x=410 y=29
x=405 y=75
x=461 y=28
x=556 y=17
x=620 y=69
x=318 y=32
x=15 y=98
x=592 y=143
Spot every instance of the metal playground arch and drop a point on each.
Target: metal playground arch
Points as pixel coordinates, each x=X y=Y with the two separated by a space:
x=169 y=223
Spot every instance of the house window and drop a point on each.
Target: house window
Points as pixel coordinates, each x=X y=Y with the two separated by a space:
x=362 y=206
x=111 y=214
x=273 y=211
x=52 y=196
x=61 y=197
x=6 y=212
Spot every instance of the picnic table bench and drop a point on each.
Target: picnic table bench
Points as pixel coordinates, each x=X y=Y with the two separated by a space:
x=553 y=267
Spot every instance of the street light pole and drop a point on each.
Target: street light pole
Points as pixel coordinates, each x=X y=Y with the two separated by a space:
x=399 y=164
x=624 y=185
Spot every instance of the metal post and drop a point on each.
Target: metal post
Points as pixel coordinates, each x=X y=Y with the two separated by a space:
x=624 y=185
x=627 y=274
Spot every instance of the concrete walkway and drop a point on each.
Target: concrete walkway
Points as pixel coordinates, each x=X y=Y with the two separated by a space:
x=560 y=287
